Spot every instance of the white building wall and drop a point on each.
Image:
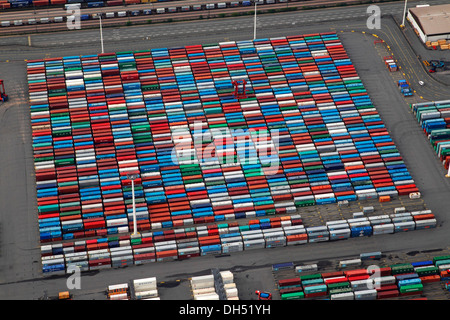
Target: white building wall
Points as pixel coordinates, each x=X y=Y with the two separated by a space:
x=411 y=19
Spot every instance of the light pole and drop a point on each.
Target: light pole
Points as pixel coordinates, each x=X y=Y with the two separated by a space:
x=404 y=13
x=132 y=177
x=254 y=23
x=101 y=31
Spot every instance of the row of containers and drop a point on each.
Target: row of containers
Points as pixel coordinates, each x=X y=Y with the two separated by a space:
x=6 y=4
x=434 y=119
x=306 y=134
x=140 y=289
x=217 y=239
x=398 y=280
x=219 y=285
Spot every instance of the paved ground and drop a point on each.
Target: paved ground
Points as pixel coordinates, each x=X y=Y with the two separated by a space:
x=20 y=271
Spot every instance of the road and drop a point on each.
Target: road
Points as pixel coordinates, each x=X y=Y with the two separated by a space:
x=20 y=275
x=143 y=19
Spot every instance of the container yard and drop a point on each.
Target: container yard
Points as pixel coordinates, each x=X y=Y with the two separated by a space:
x=204 y=158
x=191 y=164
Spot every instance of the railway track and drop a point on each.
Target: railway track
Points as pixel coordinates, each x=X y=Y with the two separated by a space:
x=153 y=18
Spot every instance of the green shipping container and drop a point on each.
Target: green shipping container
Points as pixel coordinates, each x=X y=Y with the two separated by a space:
x=311 y=276
x=424 y=271
x=340 y=290
x=292 y=296
x=411 y=288
x=440 y=258
x=339 y=285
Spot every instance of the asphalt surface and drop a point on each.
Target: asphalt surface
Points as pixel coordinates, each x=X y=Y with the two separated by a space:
x=20 y=276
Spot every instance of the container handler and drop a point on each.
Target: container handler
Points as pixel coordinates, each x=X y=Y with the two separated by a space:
x=3 y=95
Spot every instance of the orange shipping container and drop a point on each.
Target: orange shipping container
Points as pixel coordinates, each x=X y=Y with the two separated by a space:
x=297 y=237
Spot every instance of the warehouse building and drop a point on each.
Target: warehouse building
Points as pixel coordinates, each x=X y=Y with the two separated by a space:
x=431 y=23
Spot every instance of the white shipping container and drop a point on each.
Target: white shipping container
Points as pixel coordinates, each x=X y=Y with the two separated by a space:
x=348 y=263
x=370 y=294
x=144 y=284
x=380 y=281
x=227 y=277
x=120 y=296
x=254 y=244
x=343 y=296
x=212 y=296
x=146 y=294
x=231 y=292
x=207 y=290
x=383 y=228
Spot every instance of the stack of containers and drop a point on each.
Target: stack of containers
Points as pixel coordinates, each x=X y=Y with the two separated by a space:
x=118 y=292
x=435 y=120
x=442 y=263
x=291 y=289
x=146 y=289
x=402 y=279
x=229 y=286
x=215 y=239
x=99 y=256
x=143 y=249
x=313 y=286
x=203 y=288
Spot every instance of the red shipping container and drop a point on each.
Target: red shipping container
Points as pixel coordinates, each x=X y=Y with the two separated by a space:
x=387 y=294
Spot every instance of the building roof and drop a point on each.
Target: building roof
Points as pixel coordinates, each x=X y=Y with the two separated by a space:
x=433 y=20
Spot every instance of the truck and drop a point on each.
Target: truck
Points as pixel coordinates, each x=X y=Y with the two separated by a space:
x=405 y=88
x=3 y=95
x=64 y=295
x=390 y=63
